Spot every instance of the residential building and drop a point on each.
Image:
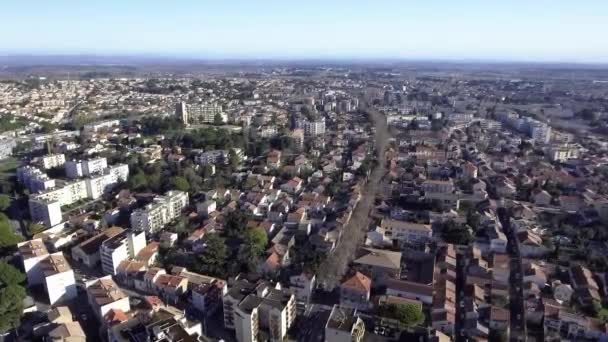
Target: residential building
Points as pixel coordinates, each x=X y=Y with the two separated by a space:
x=123 y=246
x=403 y=231
x=249 y=308
x=104 y=295
x=45 y=211
x=6 y=147
x=355 y=291
x=153 y=217
x=59 y=281
x=88 y=252
x=52 y=160
x=344 y=325
x=410 y=290
x=80 y=168
x=379 y=264
x=302 y=286
x=34 y=179
x=32 y=252
x=200 y=113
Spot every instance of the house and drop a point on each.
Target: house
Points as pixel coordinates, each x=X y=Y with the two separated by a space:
x=541 y=197
x=205 y=208
x=355 y=291
x=530 y=244
x=292 y=186
x=273 y=159
x=402 y=231
x=168 y=239
x=88 y=252
x=410 y=290
x=104 y=295
x=499 y=318
x=171 y=287
x=379 y=264
x=302 y=286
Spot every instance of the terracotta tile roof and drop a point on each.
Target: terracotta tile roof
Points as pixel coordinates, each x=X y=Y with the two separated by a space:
x=115 y=316
x=359 y=282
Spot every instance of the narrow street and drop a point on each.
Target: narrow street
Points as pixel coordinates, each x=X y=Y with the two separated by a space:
x=518 y=330
x=461 y=266
x=333 y=268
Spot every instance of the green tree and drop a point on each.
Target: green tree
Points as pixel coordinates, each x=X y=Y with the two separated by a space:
x=5 y=202
x=233 y=159
x=455 y=233
x=212 y=260
x=11 y=296
x=406 y=314
x=180 y=183
x=34 y=228
x=9 y=275
x=235 y=224
x=218 y=119
x=7 y=235
x=252 y=247
x=138 y=181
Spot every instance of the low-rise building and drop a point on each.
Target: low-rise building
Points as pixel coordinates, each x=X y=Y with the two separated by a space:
x=104 y=295
x=344 y=325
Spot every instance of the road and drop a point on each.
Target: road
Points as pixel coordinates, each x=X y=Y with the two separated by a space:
x=334 y=267
x=461 y=266
x=518 y=331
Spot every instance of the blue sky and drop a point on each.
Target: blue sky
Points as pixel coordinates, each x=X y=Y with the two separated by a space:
x=522 y=30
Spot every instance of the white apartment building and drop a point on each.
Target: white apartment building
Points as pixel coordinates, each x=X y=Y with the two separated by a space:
x=313 y=128
x=212 y=157
x=104 y=295
x=67 y=194
x=249 y=308
x=163 y=210
x=46 y=211
x=437 y=186
x=199 y=113
x=51 y=270
x=80 y=168
x=102 y=125
x=59 y=281
x=32 y=253
x=6 y=147
x=246 y=319
x=405 y=231
x=98 y=184
x=34 y=179
x=540 y=132
x=52 y=160
x=121 y=247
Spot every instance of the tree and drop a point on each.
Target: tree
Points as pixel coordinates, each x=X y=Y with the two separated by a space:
x=252 y=247
x=406 y=314
x=180 y=183
x=34 y=228
x=7 y=236
x=455 y=233
x=212 y=260
x=235 y=224
x=233 y=159
x=138 y=181
x=11 y=296
x=9 y=275
x=5 y=202
x=218 y=119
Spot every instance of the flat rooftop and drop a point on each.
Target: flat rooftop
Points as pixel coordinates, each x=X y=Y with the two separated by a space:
x=32 y=249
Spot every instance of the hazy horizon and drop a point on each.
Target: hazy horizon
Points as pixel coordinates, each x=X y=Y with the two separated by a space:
x=466 y=31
